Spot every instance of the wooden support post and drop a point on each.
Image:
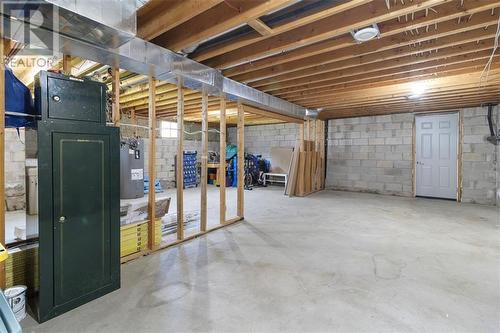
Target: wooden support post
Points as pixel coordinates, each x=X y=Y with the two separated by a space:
x=204 y=160
x=179 y=182
x=115 y=88
x=302 y=154
x=241 y=161
x=2 y=157
x=152 y=163
x=222 y=166
x=67 y=64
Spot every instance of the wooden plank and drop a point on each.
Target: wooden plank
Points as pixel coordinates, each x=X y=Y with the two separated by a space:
x=395 y=72
x=302 y=170
x=319 y=30
x=260 y=27
x=293 y=172
x=152 y=164
x=222 y=167
x=180 y=159
x=2 y=157
x=272 y=115
x=215 y=21
x=344 y=47
x=247 y=39
x=177 y=242
x=159 y=16
x=204 y=160
x=67 y=64
x=115 y=88
x=241 y=161
x=398 y=65
x=353 y=58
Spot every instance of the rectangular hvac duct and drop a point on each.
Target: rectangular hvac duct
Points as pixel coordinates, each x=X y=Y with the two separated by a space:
x=112 y=42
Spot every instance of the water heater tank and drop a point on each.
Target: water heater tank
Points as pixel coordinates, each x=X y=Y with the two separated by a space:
x=131 y=169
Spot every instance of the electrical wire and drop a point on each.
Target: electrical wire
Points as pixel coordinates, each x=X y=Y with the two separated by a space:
x=486 y=71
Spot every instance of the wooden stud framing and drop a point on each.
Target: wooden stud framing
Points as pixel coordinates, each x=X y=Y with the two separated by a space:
x=222 y=166
x=152 y=163
x=2 y=157
x=115 y=88
x=204 y=160
x=180 y=159
x=241 y=161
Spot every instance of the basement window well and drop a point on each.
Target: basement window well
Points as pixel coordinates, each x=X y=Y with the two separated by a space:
x=168 y=129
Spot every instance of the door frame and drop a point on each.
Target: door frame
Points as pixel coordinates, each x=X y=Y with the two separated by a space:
x=460 y=135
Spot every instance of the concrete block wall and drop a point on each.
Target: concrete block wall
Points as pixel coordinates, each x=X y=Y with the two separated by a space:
x=371 y=154
x=14 y=169
x=166 y=148
x=375 y=154
x=260 y=138
x=480 y=158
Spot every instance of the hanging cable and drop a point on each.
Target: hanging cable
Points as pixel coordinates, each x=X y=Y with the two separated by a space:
x=486 y=71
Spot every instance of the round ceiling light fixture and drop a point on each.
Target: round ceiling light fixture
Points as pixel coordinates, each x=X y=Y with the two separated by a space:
x=366 y=34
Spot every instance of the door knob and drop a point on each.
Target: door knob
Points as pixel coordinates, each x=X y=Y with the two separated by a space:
x=62 y=219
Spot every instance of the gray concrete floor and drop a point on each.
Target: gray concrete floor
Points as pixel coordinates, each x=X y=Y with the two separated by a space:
x=334 y=261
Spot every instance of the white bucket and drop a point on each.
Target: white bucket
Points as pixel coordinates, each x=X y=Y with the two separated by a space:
x=16 y=297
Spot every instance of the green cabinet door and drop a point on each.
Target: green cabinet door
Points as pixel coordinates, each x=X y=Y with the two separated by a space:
x=79 y=221
x=82 y=215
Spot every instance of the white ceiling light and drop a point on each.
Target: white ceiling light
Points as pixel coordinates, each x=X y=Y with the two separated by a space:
x=366 y=34
x=417 y=90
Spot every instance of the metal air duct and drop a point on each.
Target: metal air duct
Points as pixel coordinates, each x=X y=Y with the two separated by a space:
x=69 y=32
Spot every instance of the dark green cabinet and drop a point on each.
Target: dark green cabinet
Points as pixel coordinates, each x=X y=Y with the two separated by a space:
x=79 y=227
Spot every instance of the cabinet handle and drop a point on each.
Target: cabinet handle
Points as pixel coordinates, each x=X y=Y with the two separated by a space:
x=62 y=219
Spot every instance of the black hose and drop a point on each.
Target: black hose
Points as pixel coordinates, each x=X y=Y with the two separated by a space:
x=490 y=120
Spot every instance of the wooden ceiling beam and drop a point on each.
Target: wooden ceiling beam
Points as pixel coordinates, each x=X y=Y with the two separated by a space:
x=409 y=53
x=159 y=16
x=248 y=39
x=329 y=27
x=215 y=21
x=415 y=107
x=405 y=63
x=383 y=48
x=274 y=115
x=466 y=59
x=400 y=98
x=451 y=84
x=260 y=27
x=446 y=21
x=440 y=73
x=442 y=76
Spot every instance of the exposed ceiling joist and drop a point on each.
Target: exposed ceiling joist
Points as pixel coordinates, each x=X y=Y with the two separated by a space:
x=479 y=14
x=320 y=30
x=159 y=16
x=218 y=19
x=248 y=39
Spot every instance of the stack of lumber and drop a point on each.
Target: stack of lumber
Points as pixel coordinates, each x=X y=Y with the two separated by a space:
x=306 y=174
x=134 y=237
x=21 y=267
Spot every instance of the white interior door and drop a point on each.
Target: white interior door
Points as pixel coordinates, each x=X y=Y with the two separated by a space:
x=436 y=148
